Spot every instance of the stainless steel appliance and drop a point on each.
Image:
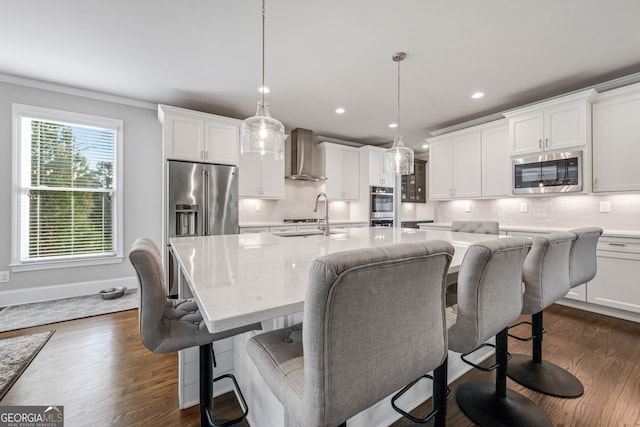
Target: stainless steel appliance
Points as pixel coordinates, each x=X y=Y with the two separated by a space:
x=202 y=200
x=548 y=173
x=381 y=202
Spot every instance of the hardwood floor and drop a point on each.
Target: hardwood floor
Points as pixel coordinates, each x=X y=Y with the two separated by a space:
x=103 y=375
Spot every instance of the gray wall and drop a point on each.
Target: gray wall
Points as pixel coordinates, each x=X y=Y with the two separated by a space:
x=142 y=181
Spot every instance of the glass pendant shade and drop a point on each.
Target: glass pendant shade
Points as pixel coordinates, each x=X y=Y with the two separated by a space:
x=399 y=159
x=261 y=136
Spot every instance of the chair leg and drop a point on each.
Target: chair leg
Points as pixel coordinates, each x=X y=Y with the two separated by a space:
x=206 y=391
x=440 y=394
x=439 y=400
x=206 y=385
x=543 y=377
x=489 y=405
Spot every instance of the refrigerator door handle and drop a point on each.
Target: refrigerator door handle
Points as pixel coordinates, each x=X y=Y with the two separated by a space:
x=205 y=201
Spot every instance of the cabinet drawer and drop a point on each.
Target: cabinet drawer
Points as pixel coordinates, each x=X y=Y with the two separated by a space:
x=282 y=228
x=250 y=230
x=619 y=247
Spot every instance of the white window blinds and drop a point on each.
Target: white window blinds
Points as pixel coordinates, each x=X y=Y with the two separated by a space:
x=66 y=198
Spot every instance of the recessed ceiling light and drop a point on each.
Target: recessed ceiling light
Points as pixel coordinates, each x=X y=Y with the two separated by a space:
x=477 y=95
x=340 y=110
x=393 y=125
x=425 y=146
x=264 y=89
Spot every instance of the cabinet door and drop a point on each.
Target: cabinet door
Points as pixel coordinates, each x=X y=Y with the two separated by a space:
x=616 y=283
x=249 y=179
x=333 y=171
x=222 y=143
x=565 y=126
x=350 y=175
x=440 y=174
x=616 y=147
x=375 y=168
x=378 y=177
x=272 y=179
x=419 y=171
x=183 y=138
x=525 y=133
x=467 y=173
x=496 y=162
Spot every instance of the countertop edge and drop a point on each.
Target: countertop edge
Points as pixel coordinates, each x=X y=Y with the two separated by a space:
x=538 y=229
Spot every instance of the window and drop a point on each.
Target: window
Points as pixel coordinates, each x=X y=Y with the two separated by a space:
x=67 y=198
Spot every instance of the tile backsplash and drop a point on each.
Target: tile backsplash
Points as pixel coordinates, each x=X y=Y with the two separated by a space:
x=551 y=211
x=298 y=203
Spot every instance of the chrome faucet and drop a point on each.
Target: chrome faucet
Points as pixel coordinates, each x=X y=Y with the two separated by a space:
x=323 y=225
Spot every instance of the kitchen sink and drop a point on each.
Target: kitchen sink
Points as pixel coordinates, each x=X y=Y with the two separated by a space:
x=305 y=233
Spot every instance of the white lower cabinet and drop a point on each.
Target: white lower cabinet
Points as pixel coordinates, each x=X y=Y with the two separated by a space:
x=617 y=281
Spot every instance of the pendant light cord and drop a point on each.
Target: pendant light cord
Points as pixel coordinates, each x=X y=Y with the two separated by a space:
x=398 y=128
x=263 y=20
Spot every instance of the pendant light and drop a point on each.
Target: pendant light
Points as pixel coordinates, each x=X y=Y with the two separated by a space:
x=261 y=136
x=399 y=159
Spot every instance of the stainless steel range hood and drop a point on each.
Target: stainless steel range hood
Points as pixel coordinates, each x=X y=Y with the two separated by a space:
x=302 y=156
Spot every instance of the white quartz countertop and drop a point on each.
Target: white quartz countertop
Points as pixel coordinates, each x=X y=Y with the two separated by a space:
x=534 y=229
x=244 y=278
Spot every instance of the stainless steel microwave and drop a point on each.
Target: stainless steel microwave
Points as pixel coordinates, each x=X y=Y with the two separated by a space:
x=548 y=173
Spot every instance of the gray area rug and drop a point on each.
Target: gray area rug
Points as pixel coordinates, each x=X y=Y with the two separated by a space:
x=43 y=313
x=16 y=354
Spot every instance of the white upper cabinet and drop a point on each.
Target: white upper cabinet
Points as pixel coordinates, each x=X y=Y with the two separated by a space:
x=496 y=161
x=454 y=170
x=377 y=175
x=199 y=137
x=261 y=179
x=616 y=140
x=556 y=124
x=341 y=165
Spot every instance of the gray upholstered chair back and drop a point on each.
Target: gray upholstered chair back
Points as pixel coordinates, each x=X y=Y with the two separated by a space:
x=582 y=263
x=546 y=271
x=481 y=227
x=373 y=322
x=489 y=291
x=166 y=325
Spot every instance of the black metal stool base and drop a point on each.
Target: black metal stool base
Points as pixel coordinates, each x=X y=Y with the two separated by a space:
x=544 y=377
x=478 y=400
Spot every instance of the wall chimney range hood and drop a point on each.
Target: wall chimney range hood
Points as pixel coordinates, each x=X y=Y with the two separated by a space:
x=302 y=156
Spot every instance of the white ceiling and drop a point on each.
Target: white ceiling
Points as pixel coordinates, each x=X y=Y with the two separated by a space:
x=205 y=55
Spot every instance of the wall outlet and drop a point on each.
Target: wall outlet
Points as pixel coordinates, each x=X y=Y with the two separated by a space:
x=605 y=207
x=467 y=207
x=524 y=207
x=4 y=276
x=258 y=206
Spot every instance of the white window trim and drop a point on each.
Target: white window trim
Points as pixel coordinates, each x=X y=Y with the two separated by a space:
x=17 y=265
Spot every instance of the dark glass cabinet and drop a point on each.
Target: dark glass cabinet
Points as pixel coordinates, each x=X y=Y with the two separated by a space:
x=414 y=188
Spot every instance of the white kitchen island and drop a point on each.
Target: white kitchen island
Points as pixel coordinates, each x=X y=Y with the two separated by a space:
x=241 y=279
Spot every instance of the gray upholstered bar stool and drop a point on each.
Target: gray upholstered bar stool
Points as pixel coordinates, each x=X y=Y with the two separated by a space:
x=489 y=299
x=479 y=227
x=582 y=261
x=169 y=325
x=373 y=322
x=546 y=280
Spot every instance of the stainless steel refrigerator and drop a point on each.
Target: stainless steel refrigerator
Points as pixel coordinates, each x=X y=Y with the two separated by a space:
x=202 y=200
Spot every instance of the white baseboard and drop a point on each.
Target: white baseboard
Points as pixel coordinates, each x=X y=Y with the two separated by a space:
x=46 y=293
x=601 y=309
